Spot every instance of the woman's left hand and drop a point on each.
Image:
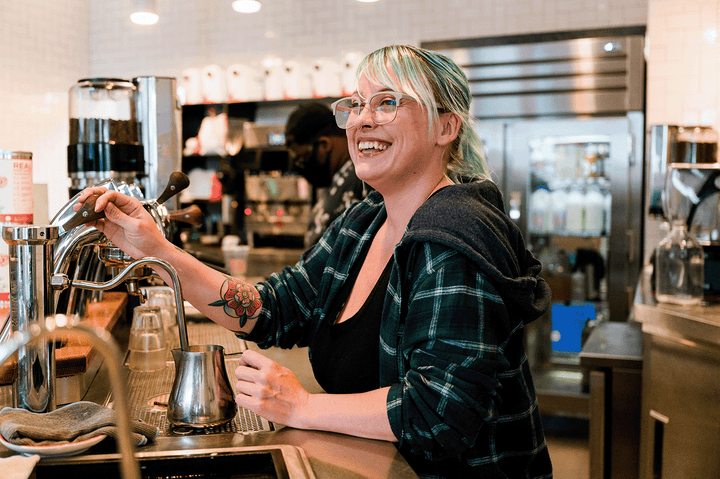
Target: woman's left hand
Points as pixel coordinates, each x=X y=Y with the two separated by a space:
x=269 y=390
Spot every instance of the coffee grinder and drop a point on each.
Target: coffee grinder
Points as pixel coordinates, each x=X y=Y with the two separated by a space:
x=126 y=130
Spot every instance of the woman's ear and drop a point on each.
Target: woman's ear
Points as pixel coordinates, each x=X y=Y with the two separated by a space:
x=450 y=128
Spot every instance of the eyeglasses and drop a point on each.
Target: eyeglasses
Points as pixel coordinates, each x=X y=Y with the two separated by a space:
x=383 y=108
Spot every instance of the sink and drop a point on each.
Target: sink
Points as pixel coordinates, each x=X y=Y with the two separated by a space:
x=256 y=462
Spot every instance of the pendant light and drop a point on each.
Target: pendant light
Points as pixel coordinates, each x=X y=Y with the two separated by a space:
x=246 y=6
x=145 y=13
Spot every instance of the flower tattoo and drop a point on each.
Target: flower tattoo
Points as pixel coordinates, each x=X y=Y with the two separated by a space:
x=239 y=300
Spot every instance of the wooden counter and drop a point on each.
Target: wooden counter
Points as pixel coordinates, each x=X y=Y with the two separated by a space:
x=75 y=354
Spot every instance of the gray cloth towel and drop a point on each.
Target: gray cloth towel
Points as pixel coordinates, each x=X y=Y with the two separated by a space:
x=72 y=423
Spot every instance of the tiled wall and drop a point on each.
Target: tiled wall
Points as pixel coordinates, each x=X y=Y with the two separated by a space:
x=44 y=49
x=683 y=87
x=197 y=33
x=46 y=46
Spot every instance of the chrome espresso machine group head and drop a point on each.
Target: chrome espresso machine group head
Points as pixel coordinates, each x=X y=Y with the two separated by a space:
x=52 y=266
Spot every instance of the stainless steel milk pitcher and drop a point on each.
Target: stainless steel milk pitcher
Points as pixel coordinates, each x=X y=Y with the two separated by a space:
x=201 y=394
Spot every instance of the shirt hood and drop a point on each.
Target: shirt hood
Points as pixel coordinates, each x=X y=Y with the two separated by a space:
x=471 y=218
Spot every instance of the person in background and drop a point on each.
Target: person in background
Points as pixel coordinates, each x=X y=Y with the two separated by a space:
x=413 y=302
x=320 y=153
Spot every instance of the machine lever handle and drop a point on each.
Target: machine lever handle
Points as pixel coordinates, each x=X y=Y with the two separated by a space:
x=178 y=181
x=192 y=215
x=85 y=214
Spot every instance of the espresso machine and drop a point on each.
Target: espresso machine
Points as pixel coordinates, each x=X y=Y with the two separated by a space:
x=683 y=182
x=50 y=265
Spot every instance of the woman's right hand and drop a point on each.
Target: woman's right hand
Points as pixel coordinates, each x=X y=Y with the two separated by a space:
x=126 y=223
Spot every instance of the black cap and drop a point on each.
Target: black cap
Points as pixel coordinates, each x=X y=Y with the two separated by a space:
x=306 y=122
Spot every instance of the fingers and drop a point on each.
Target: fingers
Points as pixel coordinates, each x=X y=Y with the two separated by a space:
x=255 y=359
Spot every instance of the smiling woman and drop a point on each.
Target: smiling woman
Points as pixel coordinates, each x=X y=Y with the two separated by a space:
x=419 y=293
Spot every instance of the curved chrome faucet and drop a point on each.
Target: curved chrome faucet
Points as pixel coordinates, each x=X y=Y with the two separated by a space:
x=61 y=282
x=106 y=345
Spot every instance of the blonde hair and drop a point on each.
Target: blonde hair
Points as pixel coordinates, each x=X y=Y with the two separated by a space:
x=439 y=85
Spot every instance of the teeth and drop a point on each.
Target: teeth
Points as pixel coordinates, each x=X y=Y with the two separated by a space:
x=372 y=145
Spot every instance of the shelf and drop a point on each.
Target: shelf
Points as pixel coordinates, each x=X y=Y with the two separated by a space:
x=559 y=392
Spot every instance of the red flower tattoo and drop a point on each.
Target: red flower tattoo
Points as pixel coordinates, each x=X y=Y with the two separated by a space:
x=240 y=300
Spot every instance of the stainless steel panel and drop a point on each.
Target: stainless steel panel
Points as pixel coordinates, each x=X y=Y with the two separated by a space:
x=567 y=67
x=573 y=76
x=548 y=85
x=160 y=117
x=541 y=51
x=550 y=104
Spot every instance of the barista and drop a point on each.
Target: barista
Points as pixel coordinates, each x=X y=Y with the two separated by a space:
x=319 y=151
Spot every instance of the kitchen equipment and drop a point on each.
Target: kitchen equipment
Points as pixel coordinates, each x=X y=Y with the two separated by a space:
x=104 y=133
x=47 y=260
x=125 y=130
x=691 y=204
x=276 y=205
x=160 y=118
x=679 y=267
x=561 y=116
x=201 y=395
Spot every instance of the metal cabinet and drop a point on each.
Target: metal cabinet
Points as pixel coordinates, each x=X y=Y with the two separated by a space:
x=680 y=413
x=612 y=357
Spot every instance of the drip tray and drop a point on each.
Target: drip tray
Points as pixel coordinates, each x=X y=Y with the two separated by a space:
x=148 y=393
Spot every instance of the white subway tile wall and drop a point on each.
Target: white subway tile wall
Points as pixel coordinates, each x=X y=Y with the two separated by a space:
x=46 y=46
x=44 y=50
x=683 y=54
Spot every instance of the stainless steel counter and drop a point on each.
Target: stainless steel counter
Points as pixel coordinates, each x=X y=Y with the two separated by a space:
x=680 y=418
x=327 y=455
x=699 y=324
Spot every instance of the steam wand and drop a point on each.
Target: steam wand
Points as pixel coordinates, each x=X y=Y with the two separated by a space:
x=61 y=281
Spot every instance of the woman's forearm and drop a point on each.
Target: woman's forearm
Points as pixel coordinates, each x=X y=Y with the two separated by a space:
x=361 y=414
x=231 y=303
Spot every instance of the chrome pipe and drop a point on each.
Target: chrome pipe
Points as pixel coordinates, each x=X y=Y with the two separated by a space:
x=61 y=281
x=104 y=343
x=30 y=250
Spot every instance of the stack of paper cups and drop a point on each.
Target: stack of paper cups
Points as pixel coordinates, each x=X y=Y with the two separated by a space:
x=16 y=208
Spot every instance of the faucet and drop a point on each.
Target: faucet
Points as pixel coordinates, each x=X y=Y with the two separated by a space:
x=42 y=261
x=106 y=345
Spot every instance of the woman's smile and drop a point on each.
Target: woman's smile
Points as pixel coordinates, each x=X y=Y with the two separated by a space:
x=372 y=147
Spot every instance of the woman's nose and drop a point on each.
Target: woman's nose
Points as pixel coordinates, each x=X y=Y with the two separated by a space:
x=365 y=116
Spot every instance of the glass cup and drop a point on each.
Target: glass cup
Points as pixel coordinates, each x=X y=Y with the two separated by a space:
x=147 y=345
x=164 y=298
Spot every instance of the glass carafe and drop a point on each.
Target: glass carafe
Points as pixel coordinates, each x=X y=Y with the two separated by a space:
x=680 y=265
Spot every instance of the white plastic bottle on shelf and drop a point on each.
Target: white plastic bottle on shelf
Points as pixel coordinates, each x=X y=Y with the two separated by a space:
x=605 y=190
x=540 y=210
x=575 y=217
x=594 y=209
x=558 y=206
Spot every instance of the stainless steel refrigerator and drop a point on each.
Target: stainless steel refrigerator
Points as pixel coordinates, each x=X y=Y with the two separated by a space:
x=561 y=116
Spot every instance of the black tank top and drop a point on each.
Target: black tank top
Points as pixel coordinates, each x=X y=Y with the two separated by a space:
x=346 y=356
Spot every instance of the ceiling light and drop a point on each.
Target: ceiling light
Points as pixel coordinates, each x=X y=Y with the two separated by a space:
x=246 y=6
x=367 y=1
x=145 y=13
